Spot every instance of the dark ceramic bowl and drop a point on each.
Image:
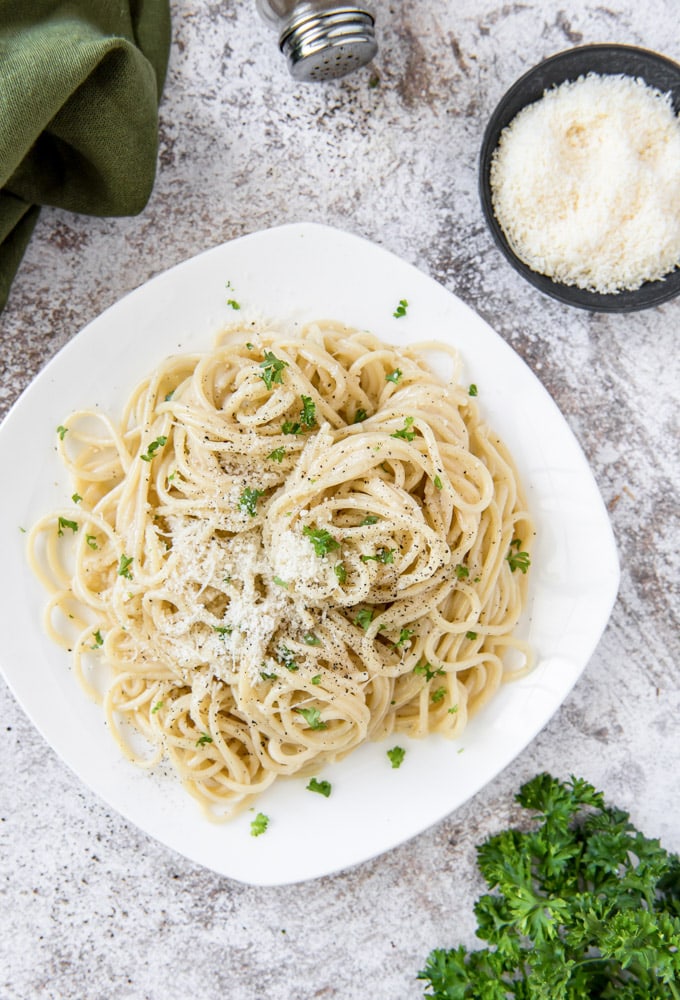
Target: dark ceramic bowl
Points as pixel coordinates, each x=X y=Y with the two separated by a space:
x=657 y=71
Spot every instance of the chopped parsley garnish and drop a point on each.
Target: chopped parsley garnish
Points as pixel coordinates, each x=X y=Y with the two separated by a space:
x=462 y=572
x=438 y=483
x=92 y=541
x=251 y=347
x=169 y=395
x=259 y=825
x=62 y=431
x=321 y=539
x=223 y=630
x=396 y=756
x=394 y=376
x=157 y=707
x=517 y=559
x=405 y=635
x=360 y=416
x=247 y=502
x=98 y=639
x=153 y=448
x=401 y=309
x=310 y=639
x=383 y=556
x=203 y=739
x=322 y=787
x=316 y=679
x=472 y=391
x=280 y=583
x=124 y=566
x=277 y=455
x=340 y=572
x=364 y=618
x=272 y=369
x=308 y=411
x=438 y=695
x=405 y=432
x=427 y=671
x=267 y=677
x=453 y=710
x=580 y=905
x=369 y=519
x=291 y=427
x=63 y=522
x=312 y=717
x=76 y=497
x=470 y=635
x=233 y=303
x=287 y=658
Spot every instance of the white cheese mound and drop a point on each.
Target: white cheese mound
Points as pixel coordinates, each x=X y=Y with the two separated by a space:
x=586 y=184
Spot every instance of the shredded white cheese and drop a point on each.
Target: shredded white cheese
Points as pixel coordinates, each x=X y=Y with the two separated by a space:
x=586 y=184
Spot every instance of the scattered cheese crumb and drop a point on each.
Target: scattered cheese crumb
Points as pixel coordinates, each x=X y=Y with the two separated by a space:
x=586 y=184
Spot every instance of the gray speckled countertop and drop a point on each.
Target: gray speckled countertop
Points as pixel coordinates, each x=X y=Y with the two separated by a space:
x=92 y=908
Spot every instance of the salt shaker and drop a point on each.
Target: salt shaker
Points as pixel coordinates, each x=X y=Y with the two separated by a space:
x=321 y=39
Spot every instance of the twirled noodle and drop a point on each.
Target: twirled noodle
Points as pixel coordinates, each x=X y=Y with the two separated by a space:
x=289 y=545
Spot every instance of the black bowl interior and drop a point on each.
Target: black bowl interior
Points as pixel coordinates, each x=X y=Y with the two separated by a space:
x=657 y=71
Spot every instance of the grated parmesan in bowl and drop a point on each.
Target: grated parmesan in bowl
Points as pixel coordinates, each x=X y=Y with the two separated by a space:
x=580 y=177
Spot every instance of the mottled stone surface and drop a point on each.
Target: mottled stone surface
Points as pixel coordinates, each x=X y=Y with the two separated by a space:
x=90 y=908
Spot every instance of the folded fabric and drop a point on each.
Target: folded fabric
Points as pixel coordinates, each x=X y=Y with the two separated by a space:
x=79 y=88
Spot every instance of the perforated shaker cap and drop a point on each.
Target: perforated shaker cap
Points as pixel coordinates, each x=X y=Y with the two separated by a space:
x=327 y=44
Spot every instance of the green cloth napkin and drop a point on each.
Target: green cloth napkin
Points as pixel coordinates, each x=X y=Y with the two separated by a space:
x=79 y=88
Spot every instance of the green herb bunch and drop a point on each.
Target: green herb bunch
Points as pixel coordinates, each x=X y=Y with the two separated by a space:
x=586 y=907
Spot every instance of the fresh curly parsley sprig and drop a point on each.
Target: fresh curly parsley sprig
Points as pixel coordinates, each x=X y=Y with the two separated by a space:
x=586 y=906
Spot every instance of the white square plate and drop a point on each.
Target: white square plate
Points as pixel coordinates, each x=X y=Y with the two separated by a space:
x=297 y=273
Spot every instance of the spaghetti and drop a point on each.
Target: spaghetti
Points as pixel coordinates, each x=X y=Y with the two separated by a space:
x=287 y=546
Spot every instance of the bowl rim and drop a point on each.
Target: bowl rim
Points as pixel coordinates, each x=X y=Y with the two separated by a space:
x=651 y=293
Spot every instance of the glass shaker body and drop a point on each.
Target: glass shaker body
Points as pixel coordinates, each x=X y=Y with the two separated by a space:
x=321 y=39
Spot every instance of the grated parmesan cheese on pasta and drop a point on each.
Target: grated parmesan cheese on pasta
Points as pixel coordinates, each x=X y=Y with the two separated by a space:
x=585 y=184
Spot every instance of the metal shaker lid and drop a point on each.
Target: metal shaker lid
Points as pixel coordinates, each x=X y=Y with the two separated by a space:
x=326 y=44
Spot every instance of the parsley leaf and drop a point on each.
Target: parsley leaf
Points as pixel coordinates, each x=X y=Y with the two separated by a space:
x=291 y=427
x=312 y=717
x=462 y=572
x=427 y=671
x=517 y=559
x=153 y=448
x=360 y=416
x=401 y=309
x=203 y=739
x=405 y=433
x=92 y=541
x=124 y=566
x=277 y=455
x=321 y=539
x=63 y=522
x=62 y=431
x=322 y=787
x=472 y=391
x=247 y=502
x=340 y=572
x=383 y=556
x=583 y=905
x=310 y=639
x=259 y=825
x=405 y=635
x=394 y=376
x=233 y=303
x=364 y=618
x=287 y=658
x=272 y=369
x=396 y=756
x=308 y=411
